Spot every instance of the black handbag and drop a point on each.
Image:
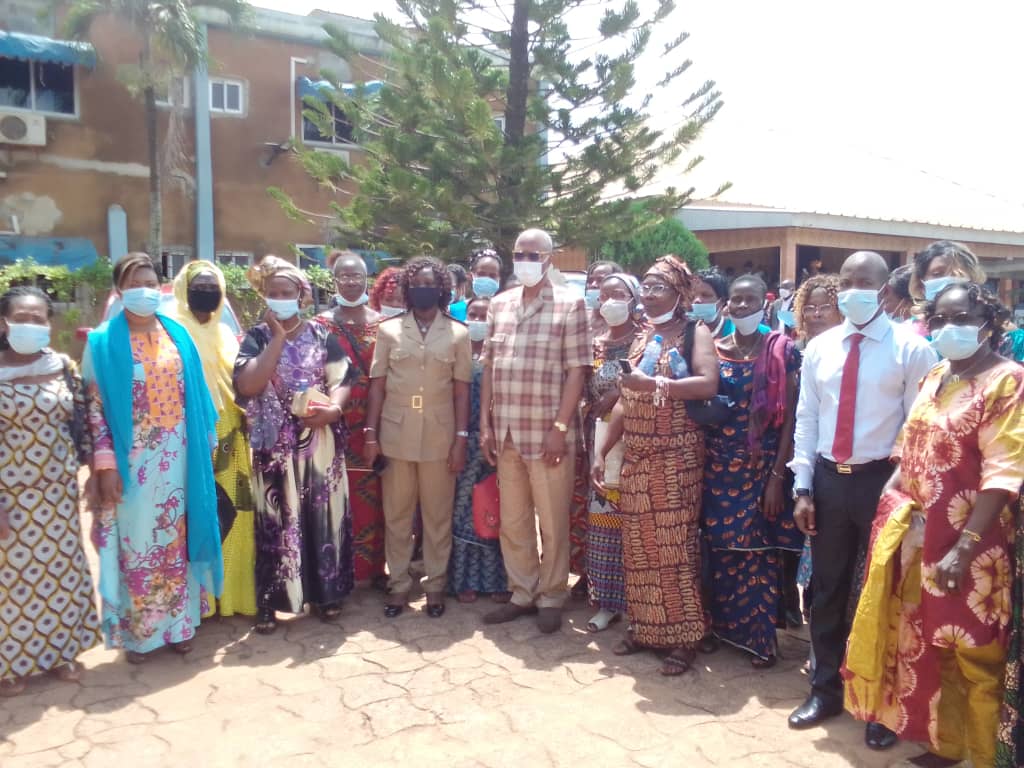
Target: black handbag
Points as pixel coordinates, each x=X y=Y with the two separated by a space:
x=714 y=411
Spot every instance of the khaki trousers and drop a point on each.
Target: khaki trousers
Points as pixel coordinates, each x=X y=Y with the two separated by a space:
x=404 y=484
x=533 y=492
x=969 y=704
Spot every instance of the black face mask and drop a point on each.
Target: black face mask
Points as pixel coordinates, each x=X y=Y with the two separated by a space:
x=424 y=296
x=203 y=301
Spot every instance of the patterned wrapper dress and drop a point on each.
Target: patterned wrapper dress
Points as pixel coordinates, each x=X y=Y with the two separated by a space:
x=300 y=489
x=47 y=613
x=661 y=486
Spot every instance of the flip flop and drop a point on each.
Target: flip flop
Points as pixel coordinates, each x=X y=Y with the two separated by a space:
x=182 y=648
x=758 y=663
x=134 y=657
x=627 y=647
x=71 y=672
x=467 y=596
x=601 y=620
x=674 y=665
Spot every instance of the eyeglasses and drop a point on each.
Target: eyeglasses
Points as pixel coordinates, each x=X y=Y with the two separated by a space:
x=529 y=255
x=355 y=279
x=819 y=309
x=938 y=322
x=653 y=288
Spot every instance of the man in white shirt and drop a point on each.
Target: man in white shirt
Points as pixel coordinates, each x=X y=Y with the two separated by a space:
x=857 y=385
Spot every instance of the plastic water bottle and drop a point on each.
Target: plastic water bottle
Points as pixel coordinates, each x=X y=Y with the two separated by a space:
x=649 y=361
x=680 y=370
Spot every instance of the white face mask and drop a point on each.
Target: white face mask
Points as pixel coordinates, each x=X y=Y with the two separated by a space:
x=747 y=326
x=391 y=311
x=665 y=317
x=477 y=329
x=935 y=286
x=858 y=305
x=343 y=302
x=529 y=272
x=958 y=342
x=28 y=338
x=785 y=293
x=615 y=312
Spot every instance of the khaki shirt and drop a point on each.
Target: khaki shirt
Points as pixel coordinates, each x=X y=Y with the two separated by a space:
x=417 y=422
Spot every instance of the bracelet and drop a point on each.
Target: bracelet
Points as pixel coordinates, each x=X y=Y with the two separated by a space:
x=778 y=475
x=660 y=390
x=369 y=429
x=975 y=537
x=462 y=433
x=370 y=442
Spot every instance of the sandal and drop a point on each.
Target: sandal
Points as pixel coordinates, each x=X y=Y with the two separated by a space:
x=134 y=657
x=183 y=648
x=329 y=612
x=601 y=620
x=677 y=663
x=11 y=688
x=758 y=663
x=580 y=590
x=501 y=597
x=467 y=596
x=709 y=644
x=627 y=647
x=71 y=672
x=266 y=622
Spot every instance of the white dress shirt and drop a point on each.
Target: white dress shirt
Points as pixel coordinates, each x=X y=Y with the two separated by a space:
x=893 y=361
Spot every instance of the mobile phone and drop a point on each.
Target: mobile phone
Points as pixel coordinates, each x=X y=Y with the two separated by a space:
x=625 y=366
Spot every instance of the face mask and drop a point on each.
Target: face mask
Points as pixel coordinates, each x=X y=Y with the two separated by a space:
x=391 y=311
x=957 y=342
x=787 y=317
x=529 y=272
x=858 y=305
x=343 y=302
x=935 y=286
x=703 y=312
x=26 y=338
x=285 y=309
x=477 y=330
x=615 y=312
x=424 y=296
x=592 y=298
x=485 y=287
x=747 y=326
x=664 y=318
x=203 y=301
x=785 y=293
x=141 y=301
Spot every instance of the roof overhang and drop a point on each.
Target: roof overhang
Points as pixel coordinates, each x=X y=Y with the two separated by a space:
x=16 y=45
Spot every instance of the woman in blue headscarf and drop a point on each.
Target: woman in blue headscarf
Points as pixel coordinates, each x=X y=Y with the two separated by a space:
x=154 y=426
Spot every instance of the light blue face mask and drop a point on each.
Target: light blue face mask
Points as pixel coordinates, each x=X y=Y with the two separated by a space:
x=343 y=302
x=592 y=298
x=936 y=285
x=27 y=338
x=787 y=317
x=703 y=312
x=141 y=301
x=485 y=287
x=285 y=309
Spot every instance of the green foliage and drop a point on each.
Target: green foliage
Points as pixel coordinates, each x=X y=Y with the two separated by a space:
x=56 y=281
x=656 y=236
x=436 y=175
x=320 y=278
x=248 y=305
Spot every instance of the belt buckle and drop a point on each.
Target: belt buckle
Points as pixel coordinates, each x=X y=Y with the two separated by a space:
x=844 y=469
x=417 y=402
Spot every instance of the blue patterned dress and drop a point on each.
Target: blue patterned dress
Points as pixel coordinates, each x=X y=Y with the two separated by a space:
x=475 y=563
x=741 y=544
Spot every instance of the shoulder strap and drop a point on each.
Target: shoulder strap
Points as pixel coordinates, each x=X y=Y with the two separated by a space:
x=688 y=335
x=355 y=349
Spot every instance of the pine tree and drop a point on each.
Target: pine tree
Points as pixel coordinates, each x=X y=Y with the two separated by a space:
x=436 y=172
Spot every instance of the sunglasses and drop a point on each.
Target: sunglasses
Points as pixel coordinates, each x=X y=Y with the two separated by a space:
x=529 y=255
x=938 y=322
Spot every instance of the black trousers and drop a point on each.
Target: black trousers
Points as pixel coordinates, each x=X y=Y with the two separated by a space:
x=845 y=508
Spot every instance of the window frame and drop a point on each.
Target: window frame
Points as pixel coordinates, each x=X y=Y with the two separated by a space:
x=76 y=115
x=225 y=82
x=336 y=144
x=186 y=94
x=231 y=257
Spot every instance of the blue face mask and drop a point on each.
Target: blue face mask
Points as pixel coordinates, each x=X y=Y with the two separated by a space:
x=592 y=298
x=787 y=317
x=141 y=301
x=27 y=338
x=703 y=312
x=343 y=302
x=936 y=285
x=485 y=287
x=285 y=309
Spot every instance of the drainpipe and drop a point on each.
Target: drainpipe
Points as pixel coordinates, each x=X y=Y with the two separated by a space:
x=205 y=243
x=294 y=60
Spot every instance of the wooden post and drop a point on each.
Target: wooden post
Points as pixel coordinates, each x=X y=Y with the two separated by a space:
x=787 y=256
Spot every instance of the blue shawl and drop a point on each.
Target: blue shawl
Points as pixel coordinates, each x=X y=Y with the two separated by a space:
x=111 y=350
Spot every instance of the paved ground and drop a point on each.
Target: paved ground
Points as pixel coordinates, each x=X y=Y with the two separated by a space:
x=414 y=691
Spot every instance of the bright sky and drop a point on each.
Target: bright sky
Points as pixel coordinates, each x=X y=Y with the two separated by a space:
x=915 y=86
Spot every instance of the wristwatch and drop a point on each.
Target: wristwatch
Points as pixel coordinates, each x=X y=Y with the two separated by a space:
x=462 y=433
x=798 y=492
x=561 y=427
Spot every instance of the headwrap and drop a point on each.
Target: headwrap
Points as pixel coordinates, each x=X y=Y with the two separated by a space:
x=674 y=271
x=260 y=275
x=631 y=283
x=217 y=345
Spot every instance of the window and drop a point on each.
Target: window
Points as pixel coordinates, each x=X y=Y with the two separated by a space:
x=40 y=86
x=174 y=258
x=499 y=123
x=178 y=93
x=342 y=128
x=226 y=96
x=238 y=258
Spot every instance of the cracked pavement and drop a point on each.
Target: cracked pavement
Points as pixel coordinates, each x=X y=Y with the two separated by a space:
x=365 y=690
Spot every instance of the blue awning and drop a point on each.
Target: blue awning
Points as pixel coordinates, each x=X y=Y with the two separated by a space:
x=15 y=45
x=307 y=87
x=71 y=252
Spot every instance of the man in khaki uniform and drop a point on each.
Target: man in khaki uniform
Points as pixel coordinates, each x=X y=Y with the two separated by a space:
x=417 y=418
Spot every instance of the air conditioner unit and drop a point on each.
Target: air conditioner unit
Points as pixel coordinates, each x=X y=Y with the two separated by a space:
x=23 y=128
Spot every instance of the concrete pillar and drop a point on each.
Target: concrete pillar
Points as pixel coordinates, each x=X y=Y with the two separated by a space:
x=787 y=257
x=907 y=257
x=1006 y=292
x=205 y=242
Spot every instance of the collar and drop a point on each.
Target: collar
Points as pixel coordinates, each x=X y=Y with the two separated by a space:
x=546 y=296
x=876 y=330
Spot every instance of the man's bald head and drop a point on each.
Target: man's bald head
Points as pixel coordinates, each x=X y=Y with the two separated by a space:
x=864 y=269
x=535 y=240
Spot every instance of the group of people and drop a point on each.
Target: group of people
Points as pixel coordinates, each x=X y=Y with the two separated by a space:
x=695 y=452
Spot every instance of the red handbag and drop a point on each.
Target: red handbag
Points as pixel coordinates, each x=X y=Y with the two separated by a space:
x=487 y=507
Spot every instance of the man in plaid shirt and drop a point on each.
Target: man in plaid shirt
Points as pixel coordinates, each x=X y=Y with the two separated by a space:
x=535 y=360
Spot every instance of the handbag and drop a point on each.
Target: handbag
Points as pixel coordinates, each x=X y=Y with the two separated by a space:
x=487 y=507
x=714 y=411
x=78 y=424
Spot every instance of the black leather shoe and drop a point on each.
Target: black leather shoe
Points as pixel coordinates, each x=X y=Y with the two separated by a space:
x=877 y=736
x=814 y=711
x=391 y=611
x=435 y=610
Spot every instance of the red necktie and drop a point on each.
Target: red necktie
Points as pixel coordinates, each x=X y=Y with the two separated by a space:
x=842 y=445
